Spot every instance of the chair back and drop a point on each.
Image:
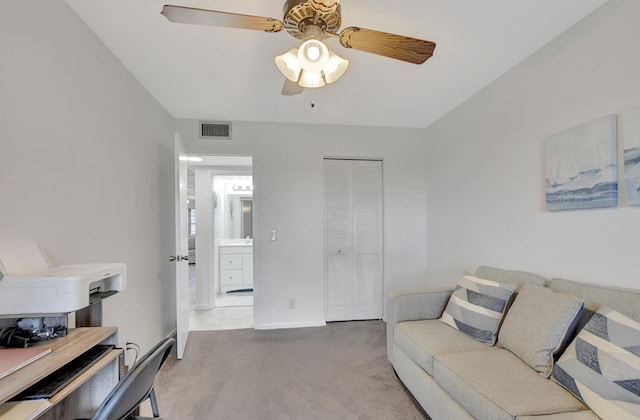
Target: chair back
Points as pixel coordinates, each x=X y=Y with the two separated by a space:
x=136 y=385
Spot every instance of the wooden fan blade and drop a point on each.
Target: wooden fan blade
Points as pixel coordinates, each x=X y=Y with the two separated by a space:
x=290 y=88
x=179 y=14
x=388 y=45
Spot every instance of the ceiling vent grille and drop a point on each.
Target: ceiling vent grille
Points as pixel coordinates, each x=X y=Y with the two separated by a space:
x=215 y=130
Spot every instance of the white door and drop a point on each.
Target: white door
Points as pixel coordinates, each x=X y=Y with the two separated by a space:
x=182 y=249
x=353 y=246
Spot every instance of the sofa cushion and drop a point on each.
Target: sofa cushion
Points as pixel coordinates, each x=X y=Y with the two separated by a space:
x=422 y=340
x=539 y=324
x=498 y=385
x=477 y=306
x=510 y=276
x=625 y=301
x=602 y=365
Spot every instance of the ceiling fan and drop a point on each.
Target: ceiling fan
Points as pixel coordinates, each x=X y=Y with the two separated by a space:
x=312 y=64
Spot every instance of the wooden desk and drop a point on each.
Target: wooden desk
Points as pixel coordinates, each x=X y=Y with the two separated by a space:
x=81 y=397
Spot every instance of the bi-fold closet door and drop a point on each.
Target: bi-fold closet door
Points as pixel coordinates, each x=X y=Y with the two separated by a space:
x=353 y=239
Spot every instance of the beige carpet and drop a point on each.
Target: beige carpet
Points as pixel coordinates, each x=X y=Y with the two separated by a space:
x=335 y=372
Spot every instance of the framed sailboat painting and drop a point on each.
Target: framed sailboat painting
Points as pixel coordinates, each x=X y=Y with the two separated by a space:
x=630 y=134
x=581 y=166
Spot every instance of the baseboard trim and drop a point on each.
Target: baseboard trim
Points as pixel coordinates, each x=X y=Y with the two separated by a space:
x=289 y=325
x=202 y=307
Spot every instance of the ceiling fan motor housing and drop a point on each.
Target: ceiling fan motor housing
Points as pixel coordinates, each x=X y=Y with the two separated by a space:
x=299 y=16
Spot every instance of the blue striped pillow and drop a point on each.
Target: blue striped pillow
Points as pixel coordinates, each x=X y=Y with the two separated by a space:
x=602 y=365
x=477 y=306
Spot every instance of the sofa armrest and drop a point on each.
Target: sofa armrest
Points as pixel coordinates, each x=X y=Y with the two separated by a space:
x=412 y=305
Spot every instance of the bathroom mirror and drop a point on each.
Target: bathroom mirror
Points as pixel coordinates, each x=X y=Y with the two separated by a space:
x=234 y=205
x=246 y=223
x=238 y=216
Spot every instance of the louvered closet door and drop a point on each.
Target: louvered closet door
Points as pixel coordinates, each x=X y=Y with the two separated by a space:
x=353 y=247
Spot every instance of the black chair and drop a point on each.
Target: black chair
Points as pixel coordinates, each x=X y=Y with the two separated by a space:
x=136 y=386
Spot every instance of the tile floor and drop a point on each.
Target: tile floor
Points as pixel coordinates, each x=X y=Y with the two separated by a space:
x=234 y=299
x=233 y=311
x=221 y=318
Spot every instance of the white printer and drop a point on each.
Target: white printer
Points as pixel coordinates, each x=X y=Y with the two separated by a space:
x=29 y=284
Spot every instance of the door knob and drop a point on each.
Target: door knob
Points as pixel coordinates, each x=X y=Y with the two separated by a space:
x=178 y=258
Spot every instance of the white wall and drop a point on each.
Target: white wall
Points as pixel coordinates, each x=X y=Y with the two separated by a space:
x=288 y=198
x=485 y=184
x=86 y=161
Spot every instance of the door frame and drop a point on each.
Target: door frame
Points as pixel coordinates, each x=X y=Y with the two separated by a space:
x=212 y=165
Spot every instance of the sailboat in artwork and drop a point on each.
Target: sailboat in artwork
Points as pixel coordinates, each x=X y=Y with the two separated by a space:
x=563 y=170
x=600 y=161
x=604 y=169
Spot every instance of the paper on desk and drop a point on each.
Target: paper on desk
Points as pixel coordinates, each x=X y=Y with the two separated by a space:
x=12 y=359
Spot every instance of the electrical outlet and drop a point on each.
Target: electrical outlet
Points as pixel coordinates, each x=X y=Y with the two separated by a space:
x=292 y=303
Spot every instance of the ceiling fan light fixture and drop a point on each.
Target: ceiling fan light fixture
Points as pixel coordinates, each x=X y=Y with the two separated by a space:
x=335 y=68
x=312 y=64
x=313 y=55
x=310 y=79
x=288 y=64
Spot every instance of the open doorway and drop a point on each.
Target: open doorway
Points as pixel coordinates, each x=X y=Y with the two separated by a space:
x=221 y=220
x=233 y=238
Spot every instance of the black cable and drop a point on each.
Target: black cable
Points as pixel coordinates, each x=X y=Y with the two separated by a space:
x=136 y=348
x=14 y=337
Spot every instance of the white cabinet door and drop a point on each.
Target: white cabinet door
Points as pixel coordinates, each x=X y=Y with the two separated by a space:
x=353 y=247
x=231 y=278
x=231 y=262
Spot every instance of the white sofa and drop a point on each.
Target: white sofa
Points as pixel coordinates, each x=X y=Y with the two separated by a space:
x=454 y=376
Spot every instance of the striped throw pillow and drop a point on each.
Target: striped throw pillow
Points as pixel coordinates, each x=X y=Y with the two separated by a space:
x=477 y=306
x=601 y=366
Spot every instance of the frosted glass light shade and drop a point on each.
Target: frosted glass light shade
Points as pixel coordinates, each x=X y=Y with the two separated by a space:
x=309 y=79
x=288 y=64
x=312 y=65
x=335 y=68
x=313 y=55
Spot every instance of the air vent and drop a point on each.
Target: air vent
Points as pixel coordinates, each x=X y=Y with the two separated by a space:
x=215 y=130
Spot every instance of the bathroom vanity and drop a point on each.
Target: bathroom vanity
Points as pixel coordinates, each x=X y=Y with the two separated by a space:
x=236 y=264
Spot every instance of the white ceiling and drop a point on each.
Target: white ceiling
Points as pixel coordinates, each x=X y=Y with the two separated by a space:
x=225 y=74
